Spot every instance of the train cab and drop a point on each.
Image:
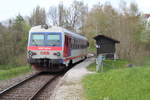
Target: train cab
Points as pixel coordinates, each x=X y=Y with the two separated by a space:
x=51 y=47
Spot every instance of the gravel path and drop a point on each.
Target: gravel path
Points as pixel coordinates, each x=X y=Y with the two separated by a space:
x=70 y=87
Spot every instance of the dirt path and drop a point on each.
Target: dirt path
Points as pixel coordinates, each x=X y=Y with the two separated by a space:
x=70 y=87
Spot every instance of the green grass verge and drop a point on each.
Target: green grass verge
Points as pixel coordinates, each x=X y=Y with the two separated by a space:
x=6 y=67
x=91 y=50
x=121 y=84
x=13 y=72
x=110 y=64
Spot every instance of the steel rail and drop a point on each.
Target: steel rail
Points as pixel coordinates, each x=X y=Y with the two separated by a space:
x=18 y=84
x=42 y=87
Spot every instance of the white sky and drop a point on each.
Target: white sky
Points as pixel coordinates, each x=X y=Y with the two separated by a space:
x=11 y=8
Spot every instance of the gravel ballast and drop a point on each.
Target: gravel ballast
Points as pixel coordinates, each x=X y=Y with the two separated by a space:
x=7 y=83
x=70 y=88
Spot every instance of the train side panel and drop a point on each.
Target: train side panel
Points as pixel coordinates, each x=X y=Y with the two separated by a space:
x=75 y=49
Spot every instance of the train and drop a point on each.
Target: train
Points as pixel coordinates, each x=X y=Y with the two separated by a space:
x=54 y=49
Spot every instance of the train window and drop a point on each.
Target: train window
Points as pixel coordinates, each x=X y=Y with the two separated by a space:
x=71 y=43
x=53 y=40
x=81 y=44
x=53 y=37
x=75 y=44
x=37 y=39
x=78 y=44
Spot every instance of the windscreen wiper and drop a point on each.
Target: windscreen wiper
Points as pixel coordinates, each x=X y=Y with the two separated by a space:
x=35 y=43
x=54 y=45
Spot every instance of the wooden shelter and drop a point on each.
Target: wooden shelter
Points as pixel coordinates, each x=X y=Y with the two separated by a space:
x=106 y=46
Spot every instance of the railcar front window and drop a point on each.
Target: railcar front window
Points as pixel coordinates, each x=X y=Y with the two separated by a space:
x=53 y=40
x=37 y=39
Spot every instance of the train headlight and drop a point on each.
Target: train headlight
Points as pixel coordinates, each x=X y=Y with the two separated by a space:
x=30 y=53
x=57 y=54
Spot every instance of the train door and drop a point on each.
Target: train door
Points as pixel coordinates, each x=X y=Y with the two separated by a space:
x=67 y=46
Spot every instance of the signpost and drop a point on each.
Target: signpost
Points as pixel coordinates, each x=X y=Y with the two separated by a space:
x=99 y=63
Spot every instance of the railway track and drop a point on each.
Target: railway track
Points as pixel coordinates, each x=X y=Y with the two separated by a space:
x=29 y=88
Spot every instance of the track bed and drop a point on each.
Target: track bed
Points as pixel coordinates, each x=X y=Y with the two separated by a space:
x=35 y=87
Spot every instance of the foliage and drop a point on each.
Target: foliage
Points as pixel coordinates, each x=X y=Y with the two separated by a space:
x=124 y=25
x=92 y=67
x=118 y=84
x=12 y=72
x=38 y=17
x=71 y=17
x=145 y=36
x=121 y=84
x=13 y=41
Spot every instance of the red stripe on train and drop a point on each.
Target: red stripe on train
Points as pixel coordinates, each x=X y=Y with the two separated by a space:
x=44 y=48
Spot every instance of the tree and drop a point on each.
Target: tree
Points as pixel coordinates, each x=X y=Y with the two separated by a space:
x=38 y=16
x=19 y=35
x=134 y=9
x=75 y=15
x=3 y=41
x=125 y=27
x=13 y=41
x=71 y=18
x=53 y=16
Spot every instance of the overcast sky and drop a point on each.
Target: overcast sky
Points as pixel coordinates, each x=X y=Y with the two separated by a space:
x=11 y=8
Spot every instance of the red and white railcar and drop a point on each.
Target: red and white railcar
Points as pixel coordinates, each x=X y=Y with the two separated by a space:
x=54 y=48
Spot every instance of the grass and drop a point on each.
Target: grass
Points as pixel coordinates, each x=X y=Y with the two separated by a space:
x=91 y=50
x=6 y=67
x=110 y=64
x=6 y=73
x=122 y=83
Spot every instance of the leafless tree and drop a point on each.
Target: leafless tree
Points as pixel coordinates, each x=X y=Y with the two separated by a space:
x=71 y=18
x=53 y=16
x=38 y=16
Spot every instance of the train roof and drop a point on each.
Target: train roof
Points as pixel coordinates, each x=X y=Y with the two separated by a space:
x=56 y=29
